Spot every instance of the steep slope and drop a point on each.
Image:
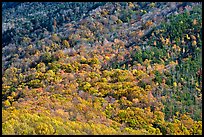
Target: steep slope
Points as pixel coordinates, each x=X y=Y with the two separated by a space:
x=110 y=72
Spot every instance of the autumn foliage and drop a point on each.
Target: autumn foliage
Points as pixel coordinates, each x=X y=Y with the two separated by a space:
x=96 y=81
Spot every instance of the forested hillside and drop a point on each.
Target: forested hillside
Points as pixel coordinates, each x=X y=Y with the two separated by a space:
x=91 y=68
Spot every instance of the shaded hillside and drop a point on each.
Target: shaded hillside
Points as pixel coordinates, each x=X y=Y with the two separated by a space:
x=114 y=68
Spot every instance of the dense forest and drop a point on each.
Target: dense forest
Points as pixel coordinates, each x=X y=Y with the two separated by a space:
x=97 y=68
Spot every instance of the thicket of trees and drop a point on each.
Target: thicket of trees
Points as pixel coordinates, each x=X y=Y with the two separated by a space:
x=86 y=83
